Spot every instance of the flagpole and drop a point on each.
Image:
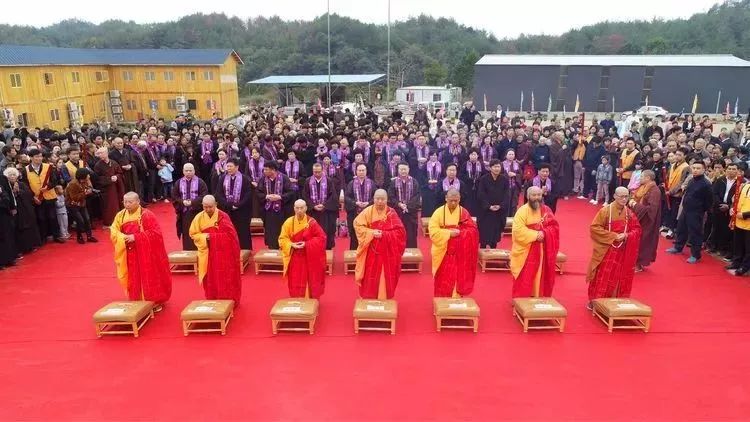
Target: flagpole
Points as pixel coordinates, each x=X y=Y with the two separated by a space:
x=388 y=61
x=718 y=100
x=328 y=15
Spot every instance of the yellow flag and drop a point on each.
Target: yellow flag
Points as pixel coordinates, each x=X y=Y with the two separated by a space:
x=695 y=104
x=578 y=103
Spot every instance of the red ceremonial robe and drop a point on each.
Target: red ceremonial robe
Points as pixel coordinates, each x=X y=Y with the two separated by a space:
x=382 y=256
x=148 y=267
x=523 y=286
x=222 y=280
x=308 y=265
x=459 y=264
x=611 y=275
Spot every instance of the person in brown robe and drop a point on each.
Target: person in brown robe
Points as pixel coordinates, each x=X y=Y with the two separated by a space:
x=646 y=203
x=123 y=157
x=561 y=162
x=108 y=179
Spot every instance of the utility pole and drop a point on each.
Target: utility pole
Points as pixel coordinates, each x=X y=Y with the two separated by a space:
x=388 y=65
x=328 y=14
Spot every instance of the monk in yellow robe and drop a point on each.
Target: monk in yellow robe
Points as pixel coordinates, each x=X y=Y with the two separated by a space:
x=140 y=257
x=455 y=248
x=303 y=251
x=382 y=241
x=536 y=240
x=218 y=252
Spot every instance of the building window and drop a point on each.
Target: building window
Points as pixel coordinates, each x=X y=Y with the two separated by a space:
x=150 y=76
x=130 y=104
x=171 y=104
x=210 y=105
x=48 y=78
x=105 y=75
x=169 y=76
x=75 y=77
x=437 y=97
x=153 y=104
x=99 y=76
x=410 y=97
x=190 y=76
x=208 y=75
x=127 y=75
x=81 y=109
x=54 y=115
x=15 y=80
x=192 y=104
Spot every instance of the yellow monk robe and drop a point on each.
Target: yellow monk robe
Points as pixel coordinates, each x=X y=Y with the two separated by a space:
x=378 y=265
x=142 y=266
x=218 y=255
x=532 y=263
x=454 y=259
x=626 y=160
x=304 y=269
x=38 y=181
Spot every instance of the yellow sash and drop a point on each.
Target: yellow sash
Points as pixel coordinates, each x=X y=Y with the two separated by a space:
x=72 y=168
x=36 y=181
x=627 y=161
x=675 y=174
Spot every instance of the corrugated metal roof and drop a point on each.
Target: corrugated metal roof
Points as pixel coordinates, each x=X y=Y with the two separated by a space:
x=22 y=55
x=424 y=87
x=318 y=79
x=708 y=60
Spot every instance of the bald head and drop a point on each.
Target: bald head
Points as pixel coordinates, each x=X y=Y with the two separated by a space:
x=380 y=198
x=188 y=170
x=131 y=201
x=209 y=205
x=621 y=196
x=300 y=208
x=534 y=195
x=533 y=190
x=452 y=198
x=103 y=154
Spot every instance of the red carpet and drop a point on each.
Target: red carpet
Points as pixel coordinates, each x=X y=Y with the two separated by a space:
x=692 y=366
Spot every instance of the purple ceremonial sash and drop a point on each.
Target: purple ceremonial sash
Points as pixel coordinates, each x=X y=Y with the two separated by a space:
x=318 y=199
x=538 y=183
x=404 y=189
x=292 y=172
x=271 y=151
x=487 y=153
x=456 y=184
x=233 y=197
x=256 y=168
x=362 y=192
x=421 y=153
x=434 y=168
x=473 y=169
x=188 y=193
x=322 y=150
x=220 y=166
x=206 y=148
x=274 y=206
x=511 y=166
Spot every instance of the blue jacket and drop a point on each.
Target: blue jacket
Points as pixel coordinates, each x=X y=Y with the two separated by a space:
x=593 y=156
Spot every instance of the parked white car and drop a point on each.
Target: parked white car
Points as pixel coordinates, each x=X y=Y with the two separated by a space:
x=648 y=112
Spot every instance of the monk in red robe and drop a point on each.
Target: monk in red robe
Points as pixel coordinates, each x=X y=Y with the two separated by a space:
x=616 y=235
x=455 y=248
x=218 y=253
x=536 y=240
x=303 y=250
x=140 y=257
x=382 y=241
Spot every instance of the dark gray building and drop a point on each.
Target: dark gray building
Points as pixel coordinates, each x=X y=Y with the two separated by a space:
x=604 y=83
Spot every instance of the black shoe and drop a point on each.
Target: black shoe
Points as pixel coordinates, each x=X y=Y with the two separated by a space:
x=80 y=240
x=740 y=272
x=59 y=240
x=91 y=239
x=732 y=267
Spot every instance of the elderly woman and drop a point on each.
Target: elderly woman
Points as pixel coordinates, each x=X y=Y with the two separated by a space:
x=24 y=218
x=8 y=252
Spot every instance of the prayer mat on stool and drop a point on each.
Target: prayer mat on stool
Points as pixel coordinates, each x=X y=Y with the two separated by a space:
x=329 y=262
x=634 y=314
x=412 y=260
x=494 y=259
x=375 y=311
x=245 y=256
x=463 y=309
x=268 y=261
x=126 y=317
x=350 y=261
x=545 y=309
x=200 y=313
x=508 y=225
x=256 y=227
x=296 y=314
x=183 y=262
x=425 y=226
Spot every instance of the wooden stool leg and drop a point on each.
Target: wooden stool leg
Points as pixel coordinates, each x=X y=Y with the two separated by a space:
x=356 y=326
x=438 y=323
x=185 y=328
x=476 y=324
x=646 y=324
x=561 y=323
x=610 y=324
x=274 y=327
x=135 y=329
x=393 y=327
x=525 y=325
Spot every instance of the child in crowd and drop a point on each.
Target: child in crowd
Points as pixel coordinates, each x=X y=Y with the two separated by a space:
x=603 y=178
x=75 y=197
x=165 y=174
x=62 y=213
x=635 y=178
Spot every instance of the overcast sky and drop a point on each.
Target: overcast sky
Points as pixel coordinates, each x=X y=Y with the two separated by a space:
x=504 y=18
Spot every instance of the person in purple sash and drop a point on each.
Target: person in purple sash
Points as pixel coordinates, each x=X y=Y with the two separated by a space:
x=276 y=194
x=235 y=198
x=207 y=154
x=357 y=196
x=187 y=198
x=322 y=200
x=294 y=170
x=404 y=197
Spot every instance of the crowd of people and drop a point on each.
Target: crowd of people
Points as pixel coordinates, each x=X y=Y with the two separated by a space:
x=683 y=176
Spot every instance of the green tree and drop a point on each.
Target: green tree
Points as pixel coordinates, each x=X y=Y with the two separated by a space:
x=657 y=45
x=463 y=73
x=435 y=74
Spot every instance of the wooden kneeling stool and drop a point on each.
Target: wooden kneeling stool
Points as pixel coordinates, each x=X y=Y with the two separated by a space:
x=129 y=316
x=245 y=255
x=636 y=315
x=375 y=311
x=425 y=226
x=202 y=312
x=350 y=261
x=508 y=225
x=294 y=312
x=268 y=261
x=455 y=309
x=545 y=309
x=494 y=259
x=256 y=227
x=183 y=262
x=412 y=260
